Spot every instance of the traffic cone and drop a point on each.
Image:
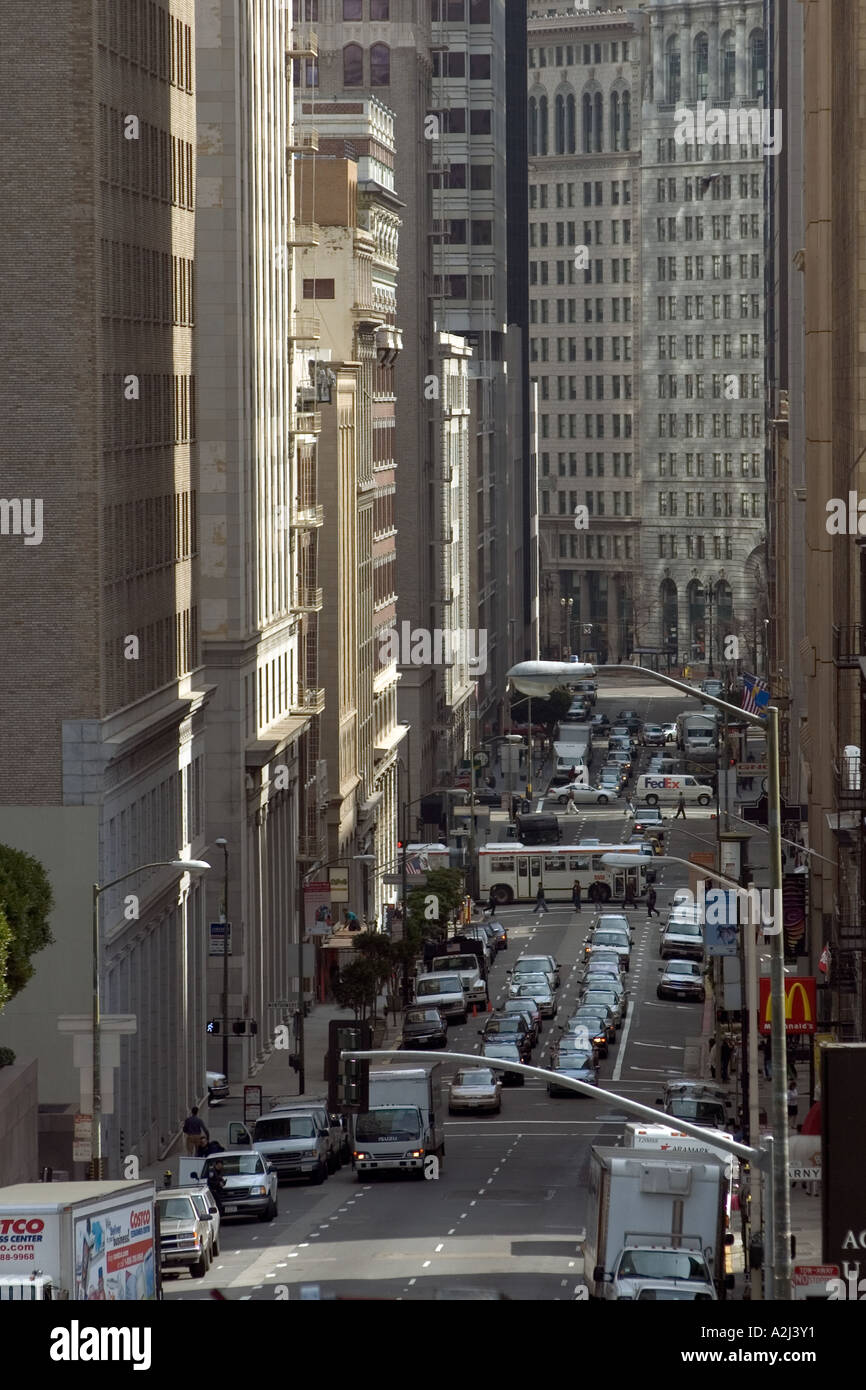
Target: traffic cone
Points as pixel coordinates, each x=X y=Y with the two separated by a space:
x=489 y=1005
x=474 y=1011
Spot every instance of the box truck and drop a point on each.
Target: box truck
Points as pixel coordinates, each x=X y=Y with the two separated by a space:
x=79 y=1241
x=403 y=1127
x=655 y=1219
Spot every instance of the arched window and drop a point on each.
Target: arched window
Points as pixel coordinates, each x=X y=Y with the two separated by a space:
x=724 y=609
x=380 y=65
x=670 y=616
x=586 y=135
x=702 y=67
x=696 y=595
x=626 y=120
x=614 y=122
x=598 y=121
x=533 y=126
x=729 y=67
x=353 y=65
x=559 y=123
x=673 y=72
x=757 y=64
x=542 y=125
x=571 y=124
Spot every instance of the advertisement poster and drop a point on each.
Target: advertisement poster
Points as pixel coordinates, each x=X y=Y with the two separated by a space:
x=27 y=1242
x=114 y=1254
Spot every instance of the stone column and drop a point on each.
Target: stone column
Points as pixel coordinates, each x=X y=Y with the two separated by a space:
x=714 y=83
x=687 y=61
x=658 y=60
x=742 y=78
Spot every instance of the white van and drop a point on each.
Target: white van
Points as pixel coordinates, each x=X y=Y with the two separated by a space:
x=565 y=764
x=654 y=787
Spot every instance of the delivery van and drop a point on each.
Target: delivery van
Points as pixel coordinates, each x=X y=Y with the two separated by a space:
x=654 y=787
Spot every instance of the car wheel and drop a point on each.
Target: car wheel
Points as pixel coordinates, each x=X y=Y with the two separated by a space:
x=503 y=894
x=462 y=1019
x=318 y=1176
x=703 y=801
x=269 y=1212
x=216 y=1247
x=603 y=799
x=199 y=1269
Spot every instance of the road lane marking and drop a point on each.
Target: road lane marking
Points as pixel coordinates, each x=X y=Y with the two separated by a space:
x=439 y=1247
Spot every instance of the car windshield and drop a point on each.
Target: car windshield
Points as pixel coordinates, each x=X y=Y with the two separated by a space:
x=475 y=1077
x=235 y=1165
x=421 y=1016
x=285 y=1127
x=683 y=967
x=609 y=938
x=533 y=965
x=511 y=1024
x=445 y=984
x=574 y=1061
x=662 y=1264
x=599 y=996
x=456 y=963
x=502 y=1049
x=398 y=1123
x=685 y=1109
x=176 y=1209
x=684 y=928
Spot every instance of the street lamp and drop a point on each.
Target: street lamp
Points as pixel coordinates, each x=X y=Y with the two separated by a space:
x=780 y=1187
x=191 y=866
x=224 y=846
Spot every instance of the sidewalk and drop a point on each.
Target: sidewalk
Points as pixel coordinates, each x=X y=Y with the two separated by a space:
x=276 y=1079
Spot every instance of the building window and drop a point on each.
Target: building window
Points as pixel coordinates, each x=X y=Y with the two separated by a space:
x=380 y=65
x=479 y=67
x=318 y=289
x=479 y=11
x=729 y=67
x=481 y=122
x=673 y=78
x=702 y=66
x=482 y=232
x=757 y=65
x=353 y=65
x=615 y=128
x=352 y=9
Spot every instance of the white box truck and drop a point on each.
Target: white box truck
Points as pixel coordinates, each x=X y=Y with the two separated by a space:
x=79 y=1241
x=655 y=1219
x=403 y=1128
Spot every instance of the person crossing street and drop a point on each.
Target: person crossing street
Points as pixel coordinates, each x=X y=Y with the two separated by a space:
x=651 y=908
x=576 y=895
x=540 y=901
x=681 y=807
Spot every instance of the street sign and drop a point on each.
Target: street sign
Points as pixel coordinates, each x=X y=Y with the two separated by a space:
x=810 y=1281
x=412 y=880
x=800 y=1004
x=218 y=931
x=797 y=1174
x=82 y=1137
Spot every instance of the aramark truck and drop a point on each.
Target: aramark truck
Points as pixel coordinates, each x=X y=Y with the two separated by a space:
x=403 y=1127
x=79 y=1240
x=656 y=1221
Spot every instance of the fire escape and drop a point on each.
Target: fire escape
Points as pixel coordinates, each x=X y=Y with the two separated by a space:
x=848 y=943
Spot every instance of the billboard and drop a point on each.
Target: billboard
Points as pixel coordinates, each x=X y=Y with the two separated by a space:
x=800 y=1005
x=843 y=1192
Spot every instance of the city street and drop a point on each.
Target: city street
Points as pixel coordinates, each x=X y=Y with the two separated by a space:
x=508 y=1210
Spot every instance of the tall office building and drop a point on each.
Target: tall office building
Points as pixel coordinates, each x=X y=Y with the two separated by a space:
x=703 y=526
x=104 y=692
x=347 y=192
x=584 y=88
x=261 y=593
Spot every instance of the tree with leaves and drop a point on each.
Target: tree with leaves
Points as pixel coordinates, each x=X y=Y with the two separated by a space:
x=26 y=901
x=431 y=907
x=357 y=988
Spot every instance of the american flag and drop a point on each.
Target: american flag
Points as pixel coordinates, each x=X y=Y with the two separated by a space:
x=417 y=863
x=756 y=695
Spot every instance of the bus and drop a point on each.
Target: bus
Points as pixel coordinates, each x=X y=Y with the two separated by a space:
x=513 y=871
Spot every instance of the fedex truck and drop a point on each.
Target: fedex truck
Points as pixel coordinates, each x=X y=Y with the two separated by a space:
x=655 y=787
x=79 y=1241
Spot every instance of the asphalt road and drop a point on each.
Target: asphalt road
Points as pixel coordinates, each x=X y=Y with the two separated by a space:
x=508 y=1210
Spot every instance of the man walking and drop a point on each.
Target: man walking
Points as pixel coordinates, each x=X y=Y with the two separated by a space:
x=766 y=1050
x=651 y=908
x=681 y=807
x=727 y=1053
x=571 y=805
x=575 y=895
x=195 y=1132
x=540 y=903
x=629 y=807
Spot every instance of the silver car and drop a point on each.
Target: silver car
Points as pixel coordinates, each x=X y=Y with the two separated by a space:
x=597 y=994
x=207 y=1210
x=250 y=1183
x=475 y=1088
x=536 y=987
x=537 y=965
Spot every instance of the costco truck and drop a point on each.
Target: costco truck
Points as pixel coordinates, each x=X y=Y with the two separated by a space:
x=656 y=1220
x=403 y=1127
x=79 y=1241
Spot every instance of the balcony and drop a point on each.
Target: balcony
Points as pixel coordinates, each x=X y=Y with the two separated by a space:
x=304 y=141
x=304 y=234
x=310 y=700
x=308 y=599
x=307 y=422
x=849 y=644
x=304 y=44
x=847 y=776
x=305 y=328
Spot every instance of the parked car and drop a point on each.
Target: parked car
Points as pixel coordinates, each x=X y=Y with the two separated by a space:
x=577 y=1066
x=445 y=993
x=682 y=979
x=424 y=1028
x=208 y=1209
x=250 y=1184
x=217 y=1087
x=184 y=1234
x=339 y=1148
x=475 y=1088
x=682 y=935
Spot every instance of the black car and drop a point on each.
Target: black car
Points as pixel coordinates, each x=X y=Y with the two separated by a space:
x=423 y=1027
x=631 y=718
x=600 y=724
x=508 y=1028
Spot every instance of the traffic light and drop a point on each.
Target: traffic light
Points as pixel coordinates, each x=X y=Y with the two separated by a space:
x=213 y=1025
x=239 y=1027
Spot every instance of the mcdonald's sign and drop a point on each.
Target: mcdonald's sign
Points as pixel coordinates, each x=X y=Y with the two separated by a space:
x=800 y=1005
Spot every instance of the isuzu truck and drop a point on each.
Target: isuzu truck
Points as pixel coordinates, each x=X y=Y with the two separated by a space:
x=403 y=1128
x=79 y=1241
x=656 y=1220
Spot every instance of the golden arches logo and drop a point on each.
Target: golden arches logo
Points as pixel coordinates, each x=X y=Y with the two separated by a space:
x=792 y=988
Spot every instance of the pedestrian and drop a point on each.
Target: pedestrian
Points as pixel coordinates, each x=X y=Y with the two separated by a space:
x=710 y=1046
x=352 y=923
x=766 y=1050
x=216 y=1182
x=571 y=805
x=540 y=903
x=629 y=900
x=575 y=895
x=726 y=1052
x=651 y=904
x=491 y=903
x=195 y=1132
x=681 y=807
x=573 y=774
x=793 y=1103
